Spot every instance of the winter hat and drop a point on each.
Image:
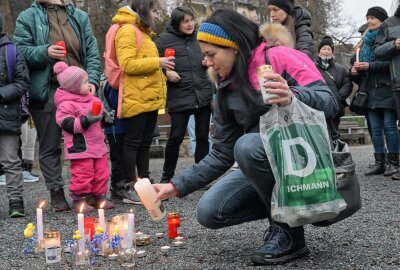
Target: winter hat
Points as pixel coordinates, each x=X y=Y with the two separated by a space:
x=1 y=23
x=378 y=12
x=69 y=77
x=326 y=40
x=215 y=34
x=286 y=5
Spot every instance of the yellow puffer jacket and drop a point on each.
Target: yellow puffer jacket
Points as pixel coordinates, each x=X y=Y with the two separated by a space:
x=144 y=83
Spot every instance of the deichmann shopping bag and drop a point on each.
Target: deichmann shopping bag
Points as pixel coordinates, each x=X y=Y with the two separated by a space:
x=297 y=144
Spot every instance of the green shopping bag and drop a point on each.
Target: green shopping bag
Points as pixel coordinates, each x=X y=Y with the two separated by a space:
x=297 y=144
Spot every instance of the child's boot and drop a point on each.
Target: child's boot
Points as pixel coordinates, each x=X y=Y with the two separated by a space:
x=80 y=205
x=103 y=202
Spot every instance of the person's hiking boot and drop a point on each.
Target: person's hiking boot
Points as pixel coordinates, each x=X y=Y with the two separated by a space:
x=126 y=193
x=80 y=205
x=103 y=202
x=393 y=164
x=281 y=245
x=16 y=208
x=379 y=167
x=58 y=201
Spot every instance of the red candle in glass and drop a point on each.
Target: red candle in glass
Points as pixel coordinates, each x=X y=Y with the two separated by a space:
x=88 y=224
x=169 y=52
x=62 y=44
x=96 y=108
x=174 y=223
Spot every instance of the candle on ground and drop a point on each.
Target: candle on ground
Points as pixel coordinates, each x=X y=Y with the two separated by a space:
x=81 y=228
x=39 y=221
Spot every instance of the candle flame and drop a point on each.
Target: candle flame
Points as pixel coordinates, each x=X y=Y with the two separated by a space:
x=42 y=204
x=102 y=204
x=131 y=210
x=81 y=208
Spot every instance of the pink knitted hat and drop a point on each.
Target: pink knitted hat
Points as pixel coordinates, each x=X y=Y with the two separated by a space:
x=69 y=77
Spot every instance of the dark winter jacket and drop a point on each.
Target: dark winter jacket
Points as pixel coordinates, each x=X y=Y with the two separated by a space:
x=32 y=39
x=12 y=92
x=337 y=77
x=304 y=35
x=377 y=82
x=240 y=117
x=385 y=49
x=194 y=90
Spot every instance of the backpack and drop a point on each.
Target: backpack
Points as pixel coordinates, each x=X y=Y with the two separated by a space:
x=11 y=61
x=112 y=70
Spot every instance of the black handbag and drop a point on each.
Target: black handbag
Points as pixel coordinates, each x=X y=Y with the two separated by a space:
x=346 y=181
x=359 y=103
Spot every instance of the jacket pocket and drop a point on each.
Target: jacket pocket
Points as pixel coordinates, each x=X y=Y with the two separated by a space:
x=148 y=80
x=79 y=144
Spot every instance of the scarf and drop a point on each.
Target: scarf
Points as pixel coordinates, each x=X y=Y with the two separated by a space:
x=325 y=63
x=367 y=52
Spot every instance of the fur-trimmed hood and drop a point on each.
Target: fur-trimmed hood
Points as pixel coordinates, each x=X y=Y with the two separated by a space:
x=274 y=34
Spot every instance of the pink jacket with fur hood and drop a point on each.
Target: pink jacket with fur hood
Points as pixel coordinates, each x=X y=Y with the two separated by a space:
x=81 y=139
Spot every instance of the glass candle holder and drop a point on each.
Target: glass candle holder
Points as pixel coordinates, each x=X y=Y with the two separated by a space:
x=127 y=257
x=52 y=243
x=82 y=257
x=39 y=246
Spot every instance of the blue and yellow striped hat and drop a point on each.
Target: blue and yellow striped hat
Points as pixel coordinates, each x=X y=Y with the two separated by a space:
x=215 y=34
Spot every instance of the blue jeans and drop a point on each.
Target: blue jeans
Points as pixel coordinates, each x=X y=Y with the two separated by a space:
x=383 y=122
x=243 y=195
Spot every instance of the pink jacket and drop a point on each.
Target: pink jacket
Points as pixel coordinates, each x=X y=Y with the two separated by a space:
x=81 y=140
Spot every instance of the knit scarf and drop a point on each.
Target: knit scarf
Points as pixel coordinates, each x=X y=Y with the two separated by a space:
x=367 y=52
x=325 y=63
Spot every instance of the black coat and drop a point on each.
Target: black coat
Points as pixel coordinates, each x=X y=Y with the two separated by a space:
x=377 y=83
x=338 y=79
x=11 y=92
x=194 y=90
x=385 y=49
x=304 y=35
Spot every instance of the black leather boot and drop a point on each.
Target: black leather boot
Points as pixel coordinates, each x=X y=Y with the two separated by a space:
x=393 y=164
x=380 y=165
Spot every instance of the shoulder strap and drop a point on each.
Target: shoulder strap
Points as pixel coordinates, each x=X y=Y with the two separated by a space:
x=11 y=60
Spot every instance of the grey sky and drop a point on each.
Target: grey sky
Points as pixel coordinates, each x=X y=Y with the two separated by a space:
x=357 y=9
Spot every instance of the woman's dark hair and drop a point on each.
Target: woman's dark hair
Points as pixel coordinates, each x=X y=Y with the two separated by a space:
x=178 y=15
x=142 y=8
x=245 y=33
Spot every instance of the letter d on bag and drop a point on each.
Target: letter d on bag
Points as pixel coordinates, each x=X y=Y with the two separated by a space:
x=311 y=159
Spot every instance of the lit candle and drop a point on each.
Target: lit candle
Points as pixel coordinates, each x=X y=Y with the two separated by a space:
x=39 y=221
x=131 y=228
x=81 y=228
x=101 y=217
x=358 y=55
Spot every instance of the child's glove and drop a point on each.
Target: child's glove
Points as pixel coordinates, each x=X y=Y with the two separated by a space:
x=93 y=119
x=109 y=116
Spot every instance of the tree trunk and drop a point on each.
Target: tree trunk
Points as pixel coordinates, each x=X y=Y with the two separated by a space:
x=16 y=7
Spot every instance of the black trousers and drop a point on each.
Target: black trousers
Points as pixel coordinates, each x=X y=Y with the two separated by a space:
x=137 y=145
x=179 y=122
x=116 y=143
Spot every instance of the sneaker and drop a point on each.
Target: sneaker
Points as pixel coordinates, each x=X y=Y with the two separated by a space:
x=29 y=177
x=280 y=246
x=127 y=194
x=58 y=201
x=2 y=180
x=16 y=208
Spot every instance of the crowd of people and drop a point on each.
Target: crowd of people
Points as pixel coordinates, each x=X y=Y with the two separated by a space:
x=212 y=73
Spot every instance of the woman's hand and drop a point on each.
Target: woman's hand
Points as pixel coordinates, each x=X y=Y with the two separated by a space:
x=164 y=191
x=56 y=52
x=359 y=66
x=278 y=87
x=173 y=76
x=167 y=62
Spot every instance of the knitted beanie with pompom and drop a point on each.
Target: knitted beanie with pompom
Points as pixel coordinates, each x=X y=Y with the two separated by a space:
x=69 y=77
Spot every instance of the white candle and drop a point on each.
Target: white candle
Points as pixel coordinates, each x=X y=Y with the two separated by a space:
x=102 y=219
x=358 y=55
x=39 y=221
x=81 y=228
x=131 y=229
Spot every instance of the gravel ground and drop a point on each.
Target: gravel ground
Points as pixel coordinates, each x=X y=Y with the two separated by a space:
x=368 y=240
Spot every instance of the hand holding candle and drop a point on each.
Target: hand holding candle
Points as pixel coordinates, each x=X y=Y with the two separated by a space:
x=62 y=44
x=96 y=108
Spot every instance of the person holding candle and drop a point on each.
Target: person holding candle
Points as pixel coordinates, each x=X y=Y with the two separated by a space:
x=387 y=48
x=233 y=50
x=12 y=88
x=189 y=90
x=84 y=143
x=375 y=77
x=144 y=85
x=37 y=31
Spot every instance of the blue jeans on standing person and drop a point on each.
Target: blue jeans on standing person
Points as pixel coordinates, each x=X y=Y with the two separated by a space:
x=384 y=124
x=191 y=128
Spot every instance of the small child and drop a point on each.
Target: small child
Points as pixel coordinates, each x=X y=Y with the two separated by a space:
x=14 y=83
x=83 y=138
